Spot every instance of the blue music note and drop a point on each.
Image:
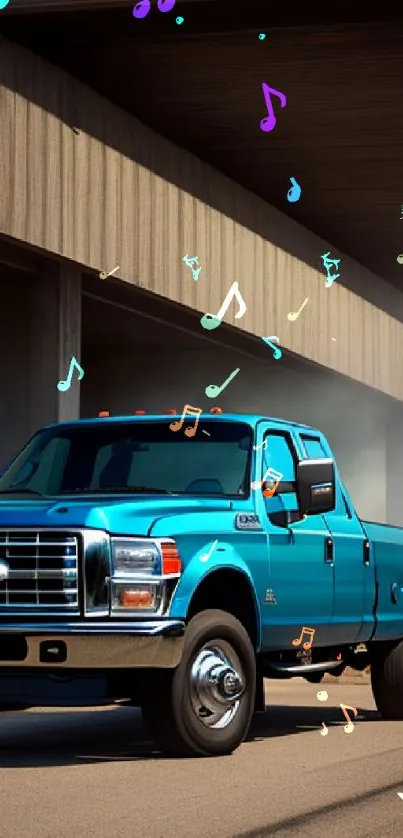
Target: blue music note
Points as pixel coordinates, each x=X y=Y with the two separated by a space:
x=294 y=193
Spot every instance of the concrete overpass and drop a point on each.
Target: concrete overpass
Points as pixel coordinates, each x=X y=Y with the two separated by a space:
x=133 y=142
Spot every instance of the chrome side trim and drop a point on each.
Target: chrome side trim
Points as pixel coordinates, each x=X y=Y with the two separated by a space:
x=301 y=669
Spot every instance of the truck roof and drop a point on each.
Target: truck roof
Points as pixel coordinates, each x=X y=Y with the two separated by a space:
x=250 y=419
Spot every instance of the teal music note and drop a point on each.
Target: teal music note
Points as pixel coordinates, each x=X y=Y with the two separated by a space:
x=64 y=385
x=277 y=353
x=213 y=390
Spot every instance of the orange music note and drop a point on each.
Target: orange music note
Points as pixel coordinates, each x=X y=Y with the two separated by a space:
x=191 y=411
x=308 y=643
x=348 y=728
x=275 y=477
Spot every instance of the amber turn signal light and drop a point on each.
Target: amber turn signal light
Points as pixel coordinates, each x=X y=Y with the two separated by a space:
x=137 y=599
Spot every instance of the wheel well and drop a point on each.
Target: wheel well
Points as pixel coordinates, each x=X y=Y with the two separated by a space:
x=228 y=590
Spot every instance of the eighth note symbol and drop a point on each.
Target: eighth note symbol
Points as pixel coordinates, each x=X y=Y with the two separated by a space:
x=277 y=353
x=269 y=122
x=212 y=321
x=64 y=385
x=349 y=727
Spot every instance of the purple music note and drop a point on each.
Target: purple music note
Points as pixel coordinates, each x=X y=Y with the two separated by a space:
x=166 y=5
x=269 y=122
x=142 y=8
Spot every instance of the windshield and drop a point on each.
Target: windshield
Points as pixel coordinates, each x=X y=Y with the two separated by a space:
x=133 y=457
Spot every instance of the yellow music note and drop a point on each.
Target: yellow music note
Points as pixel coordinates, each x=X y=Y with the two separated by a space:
x=191 y=411
x=349 y=727
x=308 y=643
x=293 y=315
x=104 y=275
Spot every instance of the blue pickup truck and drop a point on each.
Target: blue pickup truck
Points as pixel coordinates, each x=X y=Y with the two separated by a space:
x=176 y=561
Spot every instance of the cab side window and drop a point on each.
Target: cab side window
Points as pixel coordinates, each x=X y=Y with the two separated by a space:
x=278 y=455
x=314 y=449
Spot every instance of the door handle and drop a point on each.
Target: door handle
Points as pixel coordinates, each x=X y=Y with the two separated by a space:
x=366 y=552
x=329 y=553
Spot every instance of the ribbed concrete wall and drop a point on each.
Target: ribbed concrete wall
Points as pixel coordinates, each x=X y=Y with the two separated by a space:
x=95 y=198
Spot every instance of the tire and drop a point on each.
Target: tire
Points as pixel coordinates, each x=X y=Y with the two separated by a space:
x=387 y=678
x=173 y=708
x=314 y=677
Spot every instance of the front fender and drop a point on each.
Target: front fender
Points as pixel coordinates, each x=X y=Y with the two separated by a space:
x=224 y=557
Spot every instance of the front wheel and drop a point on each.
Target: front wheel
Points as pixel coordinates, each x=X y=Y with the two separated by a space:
x=204 y=707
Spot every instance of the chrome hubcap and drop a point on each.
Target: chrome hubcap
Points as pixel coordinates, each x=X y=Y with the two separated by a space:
x=216 y=687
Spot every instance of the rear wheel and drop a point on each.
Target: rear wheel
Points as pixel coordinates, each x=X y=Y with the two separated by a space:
x=204 y=707
x=387 y=678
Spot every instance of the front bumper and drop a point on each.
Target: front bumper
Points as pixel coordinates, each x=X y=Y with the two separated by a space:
x=155 y=643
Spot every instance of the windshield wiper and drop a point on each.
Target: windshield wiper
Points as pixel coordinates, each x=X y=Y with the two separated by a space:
x=21 y=491
x=120 y=489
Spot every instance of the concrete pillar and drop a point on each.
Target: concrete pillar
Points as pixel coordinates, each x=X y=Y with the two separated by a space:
x=55 y=337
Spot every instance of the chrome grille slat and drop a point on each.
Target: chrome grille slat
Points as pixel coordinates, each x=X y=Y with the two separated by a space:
x=23 y=591
x=49 y=573
x=40 y=574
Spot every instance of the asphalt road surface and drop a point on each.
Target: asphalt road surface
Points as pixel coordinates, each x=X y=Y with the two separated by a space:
x=94 y=772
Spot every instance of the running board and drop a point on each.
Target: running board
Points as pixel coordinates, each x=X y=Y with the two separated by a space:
x=303 y=668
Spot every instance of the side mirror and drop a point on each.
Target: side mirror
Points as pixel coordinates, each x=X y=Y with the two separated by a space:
x=316 y=491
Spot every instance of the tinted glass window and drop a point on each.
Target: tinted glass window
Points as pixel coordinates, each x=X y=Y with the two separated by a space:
x=114 y=456
x=278 y=455
x=313 y=448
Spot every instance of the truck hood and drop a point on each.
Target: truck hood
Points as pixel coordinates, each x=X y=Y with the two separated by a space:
x=117 y=515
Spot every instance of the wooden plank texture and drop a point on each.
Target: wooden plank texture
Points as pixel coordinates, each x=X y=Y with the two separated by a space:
x=97 y=198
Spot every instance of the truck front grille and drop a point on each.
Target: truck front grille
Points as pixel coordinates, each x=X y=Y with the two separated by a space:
x=43 y=568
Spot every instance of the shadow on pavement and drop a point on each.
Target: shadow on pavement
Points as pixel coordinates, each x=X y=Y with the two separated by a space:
x=285 y=720
x=37 y=739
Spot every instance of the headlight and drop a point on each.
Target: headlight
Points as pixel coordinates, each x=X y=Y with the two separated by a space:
x=140 y=558
x=144 y=574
